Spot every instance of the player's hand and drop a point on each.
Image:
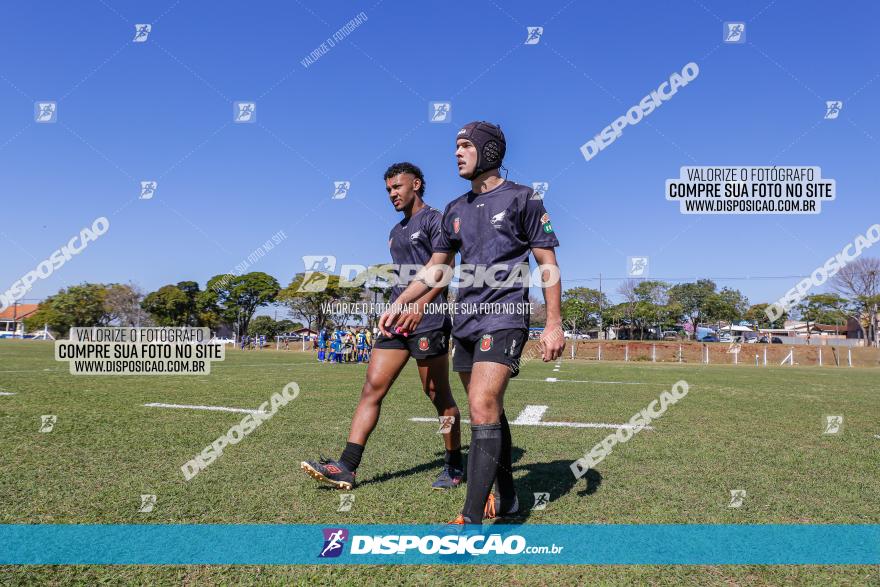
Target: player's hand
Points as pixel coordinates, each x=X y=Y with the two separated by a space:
x=388 y=319
x=552 y=342
x=409 y=319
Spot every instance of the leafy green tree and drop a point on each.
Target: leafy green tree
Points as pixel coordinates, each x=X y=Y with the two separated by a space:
x=692 y=298
x=581 y=307
x=757 y=315
x=236 y=299
x=728 y=305
x=313 y=304
x=824 y=308
x=79 y=305
x=263 y=325
x=169 y=306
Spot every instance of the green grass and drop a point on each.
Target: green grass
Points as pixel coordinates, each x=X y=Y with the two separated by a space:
x=758 y=429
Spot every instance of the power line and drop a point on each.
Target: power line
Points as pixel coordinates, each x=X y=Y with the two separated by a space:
x=692 y=278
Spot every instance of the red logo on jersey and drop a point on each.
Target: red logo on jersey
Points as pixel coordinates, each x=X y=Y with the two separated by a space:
x=423 y=343
x=456 y=225
x=545 y=218
x=486 y=342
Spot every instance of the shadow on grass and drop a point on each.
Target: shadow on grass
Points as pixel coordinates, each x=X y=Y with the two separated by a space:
x=435 y=465
x=554 y=478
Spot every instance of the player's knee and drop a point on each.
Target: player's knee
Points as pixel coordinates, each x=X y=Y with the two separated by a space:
x=374 y=388
x=441 y=397
x=485 y=413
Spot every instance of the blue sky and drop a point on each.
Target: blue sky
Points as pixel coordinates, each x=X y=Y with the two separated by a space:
x=162 y=110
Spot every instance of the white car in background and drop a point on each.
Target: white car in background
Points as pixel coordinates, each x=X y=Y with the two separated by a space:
x=219 y=340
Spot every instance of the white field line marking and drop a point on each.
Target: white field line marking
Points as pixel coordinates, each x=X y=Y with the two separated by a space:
x=877 y=436
x=531 y=416
x=211 y=408
x=554 y=380
x=7 y=393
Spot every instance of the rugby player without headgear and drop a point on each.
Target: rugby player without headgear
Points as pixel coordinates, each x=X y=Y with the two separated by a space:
x=494 y=225
x=426 y=339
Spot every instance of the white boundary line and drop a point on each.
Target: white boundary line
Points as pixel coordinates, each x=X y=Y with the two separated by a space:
x=7 y=393
x=531 y=416
x=554 y=380
x=211 y=408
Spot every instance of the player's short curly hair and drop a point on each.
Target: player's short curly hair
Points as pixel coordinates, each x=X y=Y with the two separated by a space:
x=407 y=167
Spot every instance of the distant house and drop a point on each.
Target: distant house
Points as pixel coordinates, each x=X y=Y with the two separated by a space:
x=12 y=319
x=855 y=329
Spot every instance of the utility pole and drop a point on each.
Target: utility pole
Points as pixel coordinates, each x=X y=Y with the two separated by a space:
x=601 y=329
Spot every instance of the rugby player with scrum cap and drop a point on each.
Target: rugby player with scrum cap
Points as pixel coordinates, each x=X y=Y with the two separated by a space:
x=496 y=224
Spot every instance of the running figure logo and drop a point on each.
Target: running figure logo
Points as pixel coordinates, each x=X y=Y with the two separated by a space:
x=45 y=112
x=148 y=502
x=736 y=498
x=148 y=190
x=346 y=500
x=637 y=267
x=446 y=423
x=47 y=423
x=734 y=32
x=334 y=541
x=340 y=189
x=833 y=425
x=533 y=35
x=440 y=112
x=245 y=112
x=141 y=32
x=541 y=501
x=317 y=274
x=540 y=188
x=832 y=109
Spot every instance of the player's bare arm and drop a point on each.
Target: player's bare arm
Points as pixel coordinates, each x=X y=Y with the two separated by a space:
x=429 y=281
x=552 y=338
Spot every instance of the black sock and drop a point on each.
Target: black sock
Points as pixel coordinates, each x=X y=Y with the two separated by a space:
x=351 y=456
x=453 y=458
x=505 y=464
x=483 y=458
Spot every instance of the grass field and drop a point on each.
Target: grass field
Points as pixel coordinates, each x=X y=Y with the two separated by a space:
x=760 y=430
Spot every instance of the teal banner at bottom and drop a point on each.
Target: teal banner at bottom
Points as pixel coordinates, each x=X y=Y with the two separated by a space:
x=685 y=544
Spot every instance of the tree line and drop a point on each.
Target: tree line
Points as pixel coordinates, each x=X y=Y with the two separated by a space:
x=646 y=305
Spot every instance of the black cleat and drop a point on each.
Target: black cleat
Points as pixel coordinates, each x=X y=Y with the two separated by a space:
x=448 y=478
x=331 y=472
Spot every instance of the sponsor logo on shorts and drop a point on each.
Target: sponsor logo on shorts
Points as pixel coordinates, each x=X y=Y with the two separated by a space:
x=486 y=342
x=423 y=343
